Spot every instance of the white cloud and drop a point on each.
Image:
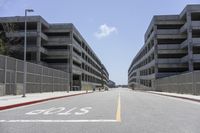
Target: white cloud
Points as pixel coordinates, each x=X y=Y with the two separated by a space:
x=105 y=30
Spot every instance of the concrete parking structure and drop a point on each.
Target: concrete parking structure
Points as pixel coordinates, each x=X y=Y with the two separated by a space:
x=172 y=46
x=58 y=46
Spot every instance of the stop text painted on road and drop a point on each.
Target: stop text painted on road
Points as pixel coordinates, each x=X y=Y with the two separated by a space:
x=66 y=114
x=61 y=111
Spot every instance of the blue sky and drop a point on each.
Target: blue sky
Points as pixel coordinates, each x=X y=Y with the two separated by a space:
x=113 y=28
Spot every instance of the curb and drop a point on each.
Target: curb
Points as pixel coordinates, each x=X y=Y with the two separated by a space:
x=38 y=101
x=186 y=98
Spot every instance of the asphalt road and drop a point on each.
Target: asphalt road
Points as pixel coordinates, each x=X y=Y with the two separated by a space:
x=115 y=111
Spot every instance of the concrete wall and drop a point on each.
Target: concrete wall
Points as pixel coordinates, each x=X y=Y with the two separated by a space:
x=86 y=86
x=187 y=83
x=39 y=78
x=137 y=86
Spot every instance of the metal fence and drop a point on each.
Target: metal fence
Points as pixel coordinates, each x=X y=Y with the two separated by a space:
x=188 y=83
x=39 y=78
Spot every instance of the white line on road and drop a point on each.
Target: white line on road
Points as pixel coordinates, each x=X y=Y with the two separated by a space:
x=56 y=121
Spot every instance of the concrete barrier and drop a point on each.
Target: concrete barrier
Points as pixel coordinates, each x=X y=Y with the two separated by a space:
x=186 y=83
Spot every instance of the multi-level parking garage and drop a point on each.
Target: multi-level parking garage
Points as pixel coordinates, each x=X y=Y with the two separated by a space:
x=172 y=46
x=58 y=46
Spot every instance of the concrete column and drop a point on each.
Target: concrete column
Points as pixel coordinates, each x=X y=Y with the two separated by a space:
x=155 y=55
x=155 y=50
x=71 y=61
x=38 y=43
x=189 y=37
x=138 y=79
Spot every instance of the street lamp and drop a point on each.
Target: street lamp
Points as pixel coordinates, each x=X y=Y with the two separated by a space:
x=25 y=67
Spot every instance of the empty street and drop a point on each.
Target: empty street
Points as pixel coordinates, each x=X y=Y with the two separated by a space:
x=115 y=111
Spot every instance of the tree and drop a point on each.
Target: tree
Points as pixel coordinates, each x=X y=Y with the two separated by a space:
x=6 y=42
x=2 y=45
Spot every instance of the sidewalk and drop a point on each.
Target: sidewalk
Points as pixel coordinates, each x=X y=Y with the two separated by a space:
x=176 y=95
x=7 y=102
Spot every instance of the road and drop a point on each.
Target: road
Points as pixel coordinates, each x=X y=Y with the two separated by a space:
x=115 y=111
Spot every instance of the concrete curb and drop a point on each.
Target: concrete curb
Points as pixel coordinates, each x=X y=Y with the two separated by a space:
x=186 y=98
x=38 y=101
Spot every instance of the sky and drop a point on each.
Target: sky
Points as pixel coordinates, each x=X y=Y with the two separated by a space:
x=114 y=29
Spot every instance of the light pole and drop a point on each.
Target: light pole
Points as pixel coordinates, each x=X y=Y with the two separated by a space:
x=25 y=67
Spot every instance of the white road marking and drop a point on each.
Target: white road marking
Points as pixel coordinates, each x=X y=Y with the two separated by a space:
x=54 y=110
x=56 y=121
x=35 y=112
x=60 y=111
x=83 y=111
x=68 y=112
